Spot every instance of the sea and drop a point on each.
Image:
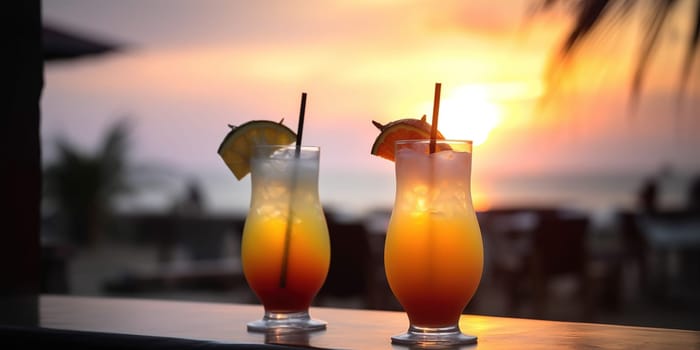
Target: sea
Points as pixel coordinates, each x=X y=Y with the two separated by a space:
x=361 y=193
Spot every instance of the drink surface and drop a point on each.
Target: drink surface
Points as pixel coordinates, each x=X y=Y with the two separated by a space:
x=434 y=252
x=283 y=188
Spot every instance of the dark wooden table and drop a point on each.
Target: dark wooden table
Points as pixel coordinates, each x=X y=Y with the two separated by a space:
x=347 y=328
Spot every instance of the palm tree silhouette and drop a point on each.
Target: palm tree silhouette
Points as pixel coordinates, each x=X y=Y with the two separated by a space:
x=592 y=15
x=83 y=186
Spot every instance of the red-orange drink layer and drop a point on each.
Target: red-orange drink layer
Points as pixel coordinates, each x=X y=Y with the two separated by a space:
x=436 y=271
x=307 y=265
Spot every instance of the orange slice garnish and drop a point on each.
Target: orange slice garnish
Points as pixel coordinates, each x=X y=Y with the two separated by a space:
x=237 y=147
x=402 y=129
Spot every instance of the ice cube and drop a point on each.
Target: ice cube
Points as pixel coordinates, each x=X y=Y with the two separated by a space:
x=444 y=155
x=271 y=211
x=274 y=191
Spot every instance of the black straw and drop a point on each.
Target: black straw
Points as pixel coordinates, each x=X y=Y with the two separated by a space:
x=300 y=126
x=288 y=230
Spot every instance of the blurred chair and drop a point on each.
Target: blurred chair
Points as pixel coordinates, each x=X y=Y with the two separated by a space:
x=671 y=246
x=560 y=250
x=635 y=248
x=55 y=261
x=531 y=249
x=507 y=236
x=348 y=275
x=204 y=264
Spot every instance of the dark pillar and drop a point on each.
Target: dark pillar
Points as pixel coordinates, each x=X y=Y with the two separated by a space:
x=20 y=160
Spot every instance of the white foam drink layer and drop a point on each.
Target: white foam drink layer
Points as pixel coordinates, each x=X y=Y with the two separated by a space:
x=274 y=180
x=274 y=169
x=437 y=183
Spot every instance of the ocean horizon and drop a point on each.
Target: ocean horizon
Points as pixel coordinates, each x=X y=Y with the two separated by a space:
x=358 y=194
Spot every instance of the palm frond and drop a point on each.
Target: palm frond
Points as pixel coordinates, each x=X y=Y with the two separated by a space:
x=113 y=158
x=83 y=185
x=590 y=16
x=590 y=13
x=659 y=15
x=691 y=52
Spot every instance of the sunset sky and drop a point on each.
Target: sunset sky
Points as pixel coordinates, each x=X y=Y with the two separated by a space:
x=189 y=68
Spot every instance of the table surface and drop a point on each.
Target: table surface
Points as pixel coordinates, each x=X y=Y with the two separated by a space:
x=347 y=328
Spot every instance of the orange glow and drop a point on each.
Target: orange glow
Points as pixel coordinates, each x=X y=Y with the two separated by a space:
x=469 y=113
x=472 y=111
x=480 y=200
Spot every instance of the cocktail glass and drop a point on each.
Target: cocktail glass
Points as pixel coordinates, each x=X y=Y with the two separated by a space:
x=434 y=253
x=285 y=250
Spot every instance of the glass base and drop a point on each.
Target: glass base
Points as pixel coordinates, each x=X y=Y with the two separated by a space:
x=433 y=337
x=286 y=321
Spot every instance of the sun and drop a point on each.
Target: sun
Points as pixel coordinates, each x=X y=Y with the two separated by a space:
x=468 y=113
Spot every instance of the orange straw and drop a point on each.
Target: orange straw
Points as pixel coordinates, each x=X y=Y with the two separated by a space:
x=436 y=110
